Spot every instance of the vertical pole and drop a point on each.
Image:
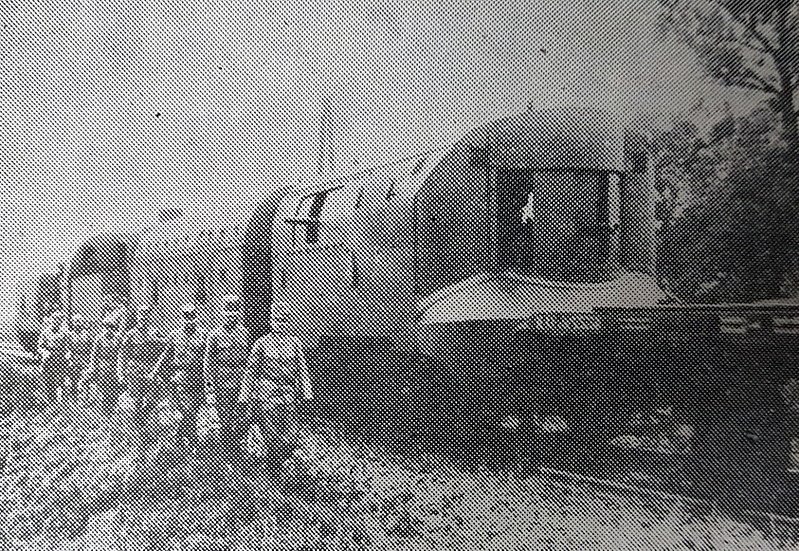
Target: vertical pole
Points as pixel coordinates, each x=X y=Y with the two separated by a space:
x=321 y=145
x=329 y=139
x=65 y=291
x=790 y=400
x=325 y=155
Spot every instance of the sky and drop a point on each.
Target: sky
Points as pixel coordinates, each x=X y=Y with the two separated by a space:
x=112 y=110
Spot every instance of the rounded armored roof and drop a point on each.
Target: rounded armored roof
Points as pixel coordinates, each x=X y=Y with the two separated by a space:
x=95 y=249
x=578 y=138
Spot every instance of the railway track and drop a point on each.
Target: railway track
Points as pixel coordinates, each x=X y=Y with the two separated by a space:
x=684 y=480
x=667 y=479
x=767 y=498
x=772 y=525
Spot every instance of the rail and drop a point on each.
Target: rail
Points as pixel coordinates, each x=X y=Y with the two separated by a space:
x=771 y=524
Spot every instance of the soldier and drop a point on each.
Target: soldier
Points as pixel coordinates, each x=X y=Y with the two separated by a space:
x=181 y=369
x=277 y=384
x=115 y=306
x=139 y=351
x=102 y=370
x=80 y=347
x=53 y=349
x=223 y=367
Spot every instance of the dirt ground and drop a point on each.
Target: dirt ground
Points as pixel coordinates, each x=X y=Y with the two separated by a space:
x=70 y=480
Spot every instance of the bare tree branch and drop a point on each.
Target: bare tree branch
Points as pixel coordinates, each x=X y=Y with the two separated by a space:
x=766 y=86
x=755 y=84
x=755 y=48
x=749 y=25
x=745 y=44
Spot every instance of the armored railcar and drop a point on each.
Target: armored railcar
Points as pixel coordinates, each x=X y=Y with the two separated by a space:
x=542 y=212
x=97 y=280
x=512 y=236
x=188 y=259
x=202 y=258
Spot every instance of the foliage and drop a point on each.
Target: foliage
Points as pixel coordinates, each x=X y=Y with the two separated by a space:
x=729 y=227
x=739 y=43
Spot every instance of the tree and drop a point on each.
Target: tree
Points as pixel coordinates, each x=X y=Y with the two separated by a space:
x=746 y=44
x=729 y=228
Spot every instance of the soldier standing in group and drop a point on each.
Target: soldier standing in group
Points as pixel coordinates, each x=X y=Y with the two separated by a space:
x=53 y=349
x=277 y=384
x=223 y=367
x=181 y=369
x=139 y=351
x=80 y=347
x=115 y=306
x=102 y=369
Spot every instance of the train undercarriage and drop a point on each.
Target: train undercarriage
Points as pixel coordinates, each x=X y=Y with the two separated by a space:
x=600 y=369
x=710 y=391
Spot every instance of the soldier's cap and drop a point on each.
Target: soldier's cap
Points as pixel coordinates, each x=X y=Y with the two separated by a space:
x=144 y=309
x=77 y=318
x=231 y=304
x=189 y=311
x=58 y=314
x=110 y=320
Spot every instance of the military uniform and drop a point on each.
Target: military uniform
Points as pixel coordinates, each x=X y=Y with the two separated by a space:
x=103 y=367
x=276 y=383
x=53 y=350
x=181 y=368
x=115 y=309
x=80 y=348
x=139 y=352
x=120 y=314
x=225 y=359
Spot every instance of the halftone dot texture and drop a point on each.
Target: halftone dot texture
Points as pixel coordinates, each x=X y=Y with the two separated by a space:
x=500 y=202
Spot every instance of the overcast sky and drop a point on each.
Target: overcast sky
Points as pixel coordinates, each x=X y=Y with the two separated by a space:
x=114 y=109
